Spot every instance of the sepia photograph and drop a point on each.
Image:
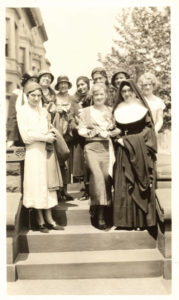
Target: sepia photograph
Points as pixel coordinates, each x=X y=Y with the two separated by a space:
x=88 y=148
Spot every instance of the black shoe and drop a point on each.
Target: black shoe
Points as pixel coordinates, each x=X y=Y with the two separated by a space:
x=68 y=197
x=85 y=196
x=54 y=227
x=43 y=228
x=64 y=196
x=102 y=224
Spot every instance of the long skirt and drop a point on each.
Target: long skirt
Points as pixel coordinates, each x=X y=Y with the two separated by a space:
x=97 y=159
x=35 y=188
x=127 y=213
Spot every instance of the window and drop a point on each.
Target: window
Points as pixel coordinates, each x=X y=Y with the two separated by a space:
x=16 y=41
x=22 y=59
x=8 y=87
x=7 y=37
x=36 y=65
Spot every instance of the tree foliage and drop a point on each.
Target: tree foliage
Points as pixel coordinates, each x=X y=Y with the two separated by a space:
x=143 y=45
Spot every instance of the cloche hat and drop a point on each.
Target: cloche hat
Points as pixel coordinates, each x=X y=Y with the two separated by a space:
x=63 y=78
x=43 y=72
x=26 y=76
x=120 y=70
x=100 y=70
x=32 y=86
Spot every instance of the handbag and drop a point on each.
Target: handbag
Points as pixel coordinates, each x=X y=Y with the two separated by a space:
x=54 y=175
x=61 y=148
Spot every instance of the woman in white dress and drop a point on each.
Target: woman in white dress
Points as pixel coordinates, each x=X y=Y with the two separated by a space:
x=148 y=83
x=33 y=123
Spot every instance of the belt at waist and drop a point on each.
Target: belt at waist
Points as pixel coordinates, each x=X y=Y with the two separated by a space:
x=128 y=132
x=90 y=140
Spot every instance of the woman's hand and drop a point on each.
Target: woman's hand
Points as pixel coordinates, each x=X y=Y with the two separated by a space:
x=114 y=132
x=104 y=134
x=120 y=141
x=50 y=138
x=53 y=130
x=52 y=108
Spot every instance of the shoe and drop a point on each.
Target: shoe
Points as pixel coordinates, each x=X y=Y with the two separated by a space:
x=102 y=224
x=85 y=196
x=65 y=196
x=43 y=228
x=54 y=227
x=68 y=197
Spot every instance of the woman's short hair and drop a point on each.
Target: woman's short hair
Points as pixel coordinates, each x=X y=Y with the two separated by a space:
x=148 y=77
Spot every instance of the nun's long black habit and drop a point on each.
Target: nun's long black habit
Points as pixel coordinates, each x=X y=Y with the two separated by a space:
x=134 y=172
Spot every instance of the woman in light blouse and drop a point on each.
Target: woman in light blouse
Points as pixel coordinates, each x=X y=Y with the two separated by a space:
x=97 y=126
x=148 y=83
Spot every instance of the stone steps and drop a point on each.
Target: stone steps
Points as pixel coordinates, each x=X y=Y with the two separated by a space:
x=109 y=286
x=72 y=212
x=90 y=264
x=84 y=238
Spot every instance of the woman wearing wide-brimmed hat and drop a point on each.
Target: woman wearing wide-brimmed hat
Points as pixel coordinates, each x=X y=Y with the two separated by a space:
x=17 y=99
x=61 y=122
x=42 y=176
x=134 y=204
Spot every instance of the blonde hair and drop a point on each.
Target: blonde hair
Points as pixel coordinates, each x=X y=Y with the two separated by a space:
x=148 y=77
x=98 y=86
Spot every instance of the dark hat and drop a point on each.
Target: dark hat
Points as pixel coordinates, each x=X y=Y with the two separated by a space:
x=63 y=78
x=100 y=70
x=32 y=86
x=120 y=70
x=44 y=72
x=26 y=76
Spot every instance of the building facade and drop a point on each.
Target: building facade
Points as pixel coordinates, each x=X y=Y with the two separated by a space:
x=24 y=49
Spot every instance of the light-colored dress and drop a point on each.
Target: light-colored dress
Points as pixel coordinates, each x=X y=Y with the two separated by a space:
x=155 y=104
x=33 y=125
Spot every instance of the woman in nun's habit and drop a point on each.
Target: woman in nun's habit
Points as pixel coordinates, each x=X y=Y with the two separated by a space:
x=134 y=171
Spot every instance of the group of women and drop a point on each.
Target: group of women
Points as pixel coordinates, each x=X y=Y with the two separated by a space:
x=111 y=138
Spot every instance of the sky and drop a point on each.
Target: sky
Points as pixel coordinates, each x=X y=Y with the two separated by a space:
x=76 y=36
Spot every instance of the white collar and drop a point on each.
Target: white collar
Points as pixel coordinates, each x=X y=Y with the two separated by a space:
x=129 y=112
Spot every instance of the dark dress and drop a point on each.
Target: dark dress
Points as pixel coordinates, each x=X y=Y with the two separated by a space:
x=135 y=176
x=79 y=165
x=12 y=126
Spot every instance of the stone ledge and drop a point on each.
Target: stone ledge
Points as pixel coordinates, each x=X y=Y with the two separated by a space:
x=163 y=166
x=14 y=205
x=167 y=269
x=13 y=169
x=164 y=203
x=15 y=154
x=11 y=273
x=13 y=184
